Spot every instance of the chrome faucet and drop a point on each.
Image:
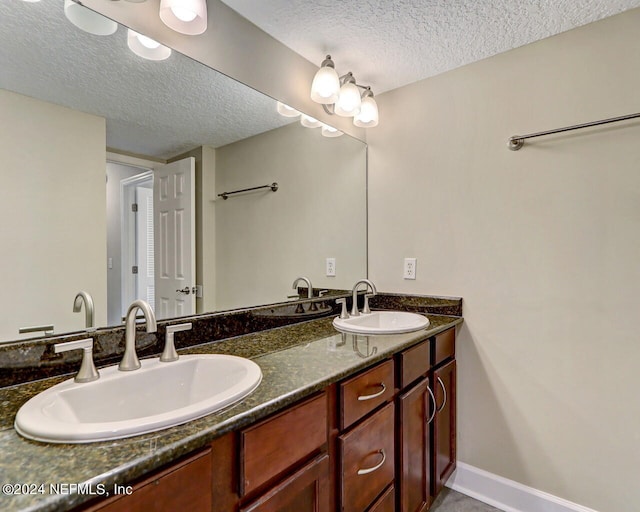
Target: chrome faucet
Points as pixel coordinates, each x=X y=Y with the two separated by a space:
x=88 y=307
x=309 y=287
x=354 y=296
x=130 y=358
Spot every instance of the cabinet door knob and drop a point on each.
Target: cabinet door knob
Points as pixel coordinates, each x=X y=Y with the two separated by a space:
x=433 y=401
x=444 y=390
x=375 y=395
x=376 y=467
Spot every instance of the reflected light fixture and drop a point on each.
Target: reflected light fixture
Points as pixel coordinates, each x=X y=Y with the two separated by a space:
x=286 y=110
x=341 y=95
x=146 y=47
x=330 y=131
x=309 y=122
x=185 y=16
x=88 y=20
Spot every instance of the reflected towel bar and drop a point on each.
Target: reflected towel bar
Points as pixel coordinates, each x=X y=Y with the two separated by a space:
x=517 y=141
x=225 y=195
x=46 y=329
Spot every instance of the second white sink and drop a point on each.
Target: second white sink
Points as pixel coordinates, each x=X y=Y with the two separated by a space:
x=122 y=404
x=382 y=322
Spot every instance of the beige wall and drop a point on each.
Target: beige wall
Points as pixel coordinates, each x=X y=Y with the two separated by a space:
x=53 y=210
x=264 y=240
x=543 y=244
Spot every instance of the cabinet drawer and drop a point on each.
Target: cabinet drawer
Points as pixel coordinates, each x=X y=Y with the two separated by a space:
x=413 y=363
x=367 y=460
x=184 y=486
x=444 y=346
x=304 y=491
x=386 y=502
x=274 y=445
x=363 y=393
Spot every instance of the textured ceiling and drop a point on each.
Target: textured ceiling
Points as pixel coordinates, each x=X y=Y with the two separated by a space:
x=390 y=43
x=44 y=56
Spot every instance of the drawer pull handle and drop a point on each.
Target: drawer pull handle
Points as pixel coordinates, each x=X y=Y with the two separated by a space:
x=433 y=400
x=444 y=390
x=376 y=467
x=375 y=395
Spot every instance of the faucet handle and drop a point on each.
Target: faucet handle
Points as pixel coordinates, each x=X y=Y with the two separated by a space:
x=87 y=372
x=343 y=312
x=169 y=353
x=365 y=308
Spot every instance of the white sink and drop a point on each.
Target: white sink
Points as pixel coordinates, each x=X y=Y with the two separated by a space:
x=382 y=322
x=123 y=404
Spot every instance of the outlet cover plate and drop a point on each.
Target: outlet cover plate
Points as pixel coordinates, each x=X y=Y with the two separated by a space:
x=409 y=268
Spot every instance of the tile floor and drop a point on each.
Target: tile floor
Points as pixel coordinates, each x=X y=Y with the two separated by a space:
x=452 y=501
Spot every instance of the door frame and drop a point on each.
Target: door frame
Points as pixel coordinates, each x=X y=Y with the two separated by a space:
x=128 y=235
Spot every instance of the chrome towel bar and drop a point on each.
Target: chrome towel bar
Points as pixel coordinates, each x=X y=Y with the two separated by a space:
x=517 y=141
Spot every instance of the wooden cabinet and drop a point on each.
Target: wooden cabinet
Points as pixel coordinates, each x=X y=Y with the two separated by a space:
x=365 y=392
x=444 y=425
x=415 y=412
x=271 y=447
x=426 y=426
x=380 y=441
x=367 y=460
x=307 y=490
x=183 y=486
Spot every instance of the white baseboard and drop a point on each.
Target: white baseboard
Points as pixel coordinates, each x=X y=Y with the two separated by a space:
x=505 y=494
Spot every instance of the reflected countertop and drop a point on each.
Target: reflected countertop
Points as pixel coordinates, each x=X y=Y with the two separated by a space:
x=296 y=361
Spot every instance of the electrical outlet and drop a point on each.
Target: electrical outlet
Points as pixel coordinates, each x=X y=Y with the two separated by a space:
x=409 y=268
x=331 y=267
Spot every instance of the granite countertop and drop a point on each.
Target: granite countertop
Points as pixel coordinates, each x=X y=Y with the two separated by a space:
x=296 y=361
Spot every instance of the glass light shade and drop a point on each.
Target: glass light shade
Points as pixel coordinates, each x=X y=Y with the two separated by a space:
x=88 y=20
x=286 y=110
x=368 y=115
x=309 y=122
x=349 y=101
x=325 y=86
x=330 y=131
x=185 y=16
x=146 y=47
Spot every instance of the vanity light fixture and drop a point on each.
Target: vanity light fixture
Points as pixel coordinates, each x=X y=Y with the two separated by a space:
x=286 y=111
x=146 y=47
x=88 y=20
x=185 y=16
x=368 y=115
x=341 y=95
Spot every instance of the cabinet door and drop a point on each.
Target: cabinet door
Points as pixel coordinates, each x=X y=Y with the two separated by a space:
x=415 y=410
x=307 y=490
x=184 y=486
x=444 y=425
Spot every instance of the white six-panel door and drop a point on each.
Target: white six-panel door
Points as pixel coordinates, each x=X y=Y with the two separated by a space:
x=174 y=238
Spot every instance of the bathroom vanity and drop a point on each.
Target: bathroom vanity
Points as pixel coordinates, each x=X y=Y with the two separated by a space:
x=340 y=422
x=381 y=437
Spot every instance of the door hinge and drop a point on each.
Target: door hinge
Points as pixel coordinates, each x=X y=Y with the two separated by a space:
x=134 y=269
x=134 y=207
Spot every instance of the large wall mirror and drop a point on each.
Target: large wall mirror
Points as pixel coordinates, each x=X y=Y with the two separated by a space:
x=94 y=140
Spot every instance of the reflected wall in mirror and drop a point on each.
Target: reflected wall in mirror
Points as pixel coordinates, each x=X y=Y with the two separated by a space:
x=72 y=101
